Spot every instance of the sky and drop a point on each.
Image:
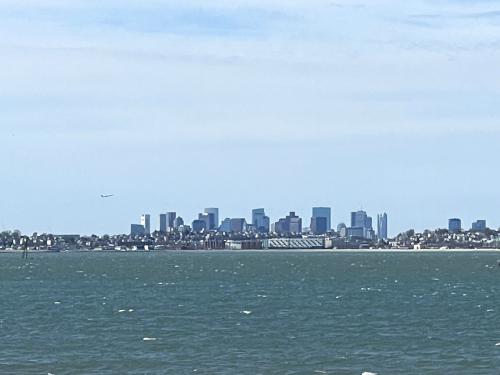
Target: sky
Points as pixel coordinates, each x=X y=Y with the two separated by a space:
x=384 y=105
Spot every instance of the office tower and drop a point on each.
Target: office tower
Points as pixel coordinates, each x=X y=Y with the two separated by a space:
x=454 y=225
x=225 y=226
x=238 y=225
x=178 y=221
x=361 y=225
x=163 y=223
x=199 y=225
x=171 y=216
x=291 y=224
x=382 y=226
x=215 y=212
x=325 y=212
x=479 y=226
x=136 y=230
x=208 y=219
x=146 y=223
x=260 y=221
x=342 y=230
x=319 y=225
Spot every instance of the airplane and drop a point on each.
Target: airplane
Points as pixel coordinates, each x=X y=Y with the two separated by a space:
x=107 y=195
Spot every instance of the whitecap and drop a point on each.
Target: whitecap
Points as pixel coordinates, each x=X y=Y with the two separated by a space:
x=120 y=311
x=369 y=373
x=57 y=303
x=130 y=310
x=149 y=339
x=246 y=312
x=497 y=344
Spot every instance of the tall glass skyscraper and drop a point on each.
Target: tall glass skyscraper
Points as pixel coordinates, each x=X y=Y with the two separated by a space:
x=214 y=211
x=163 y=223
x=260 y=221
x=325 y=212
x=146 y=223
x=382 y=226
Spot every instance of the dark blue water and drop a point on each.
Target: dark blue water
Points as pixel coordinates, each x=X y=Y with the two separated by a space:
x=250 y=313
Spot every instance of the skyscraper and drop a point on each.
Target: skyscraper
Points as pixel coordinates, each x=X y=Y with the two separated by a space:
x=163 y=223
x=146 y=223
x=291 y=224
x=319 y=225
x=325 y=212
x=454 y=225
x=361 y=225
x=479 y=226
x=260 y=221
x=171 y=216
x=136 y=230
x=382 y=226
x=214 y=211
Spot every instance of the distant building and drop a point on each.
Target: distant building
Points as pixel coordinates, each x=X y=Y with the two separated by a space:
x=215 y=212
x=198 y=226
x=479 y=226
x=291 y=224
x=454 y=225
x=178 y=222
x=238 y=225
x=260 y=221
x=146 y=223
x=225 y=226
x=382 y=226
x=361 y=225
x=342 y=230
x=356 y=232
x=137 y=230
x=209 y=220
x=319 y=225
x=171 y=216
x=325 y=212
x=163 y=223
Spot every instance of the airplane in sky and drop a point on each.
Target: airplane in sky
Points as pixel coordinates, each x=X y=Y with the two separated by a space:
x=107 y=195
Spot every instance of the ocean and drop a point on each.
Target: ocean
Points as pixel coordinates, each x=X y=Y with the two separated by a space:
x=250 y=313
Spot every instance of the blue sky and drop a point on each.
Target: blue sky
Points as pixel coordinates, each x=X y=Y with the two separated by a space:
x=393 y=106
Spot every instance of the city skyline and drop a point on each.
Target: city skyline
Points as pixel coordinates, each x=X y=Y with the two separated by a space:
x=388 y=105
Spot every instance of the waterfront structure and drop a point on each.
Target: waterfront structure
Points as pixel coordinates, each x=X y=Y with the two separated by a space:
x=171 y=216
x=291 y=224
x=260 y=221
x=382 y=226
x=294 y=243
x=215 y=212
x=479 y=226
x=325 y=212
x=361 y=225
x=454 y=225
x=146 y=223
x=137 y=230
x=163 y=223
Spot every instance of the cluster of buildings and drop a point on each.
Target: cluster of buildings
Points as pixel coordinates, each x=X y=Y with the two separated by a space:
x=361 y=225
x=207 y=231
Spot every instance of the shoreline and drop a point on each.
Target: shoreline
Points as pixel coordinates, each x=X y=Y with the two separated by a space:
x=333 y=251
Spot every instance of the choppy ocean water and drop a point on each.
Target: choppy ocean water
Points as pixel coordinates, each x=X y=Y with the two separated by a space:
x=250 y=313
